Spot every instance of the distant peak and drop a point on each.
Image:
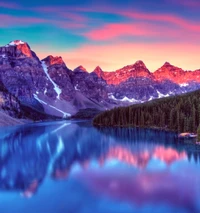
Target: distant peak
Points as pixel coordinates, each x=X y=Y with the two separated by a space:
x=140 y=63
x=80 y=68
x=51 y=60
x=167 y=64
x=98 y=67
x=98 y=71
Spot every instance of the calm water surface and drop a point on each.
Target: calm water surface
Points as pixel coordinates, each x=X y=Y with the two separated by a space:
x=62 y=167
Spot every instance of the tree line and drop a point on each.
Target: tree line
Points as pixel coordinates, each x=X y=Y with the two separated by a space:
x=179 y=113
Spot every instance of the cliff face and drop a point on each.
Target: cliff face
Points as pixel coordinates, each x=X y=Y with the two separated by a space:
x=21 y=72
x=8 y=103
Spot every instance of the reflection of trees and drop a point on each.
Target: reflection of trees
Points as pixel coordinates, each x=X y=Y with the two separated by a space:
x=148 y=137
x=30 y=153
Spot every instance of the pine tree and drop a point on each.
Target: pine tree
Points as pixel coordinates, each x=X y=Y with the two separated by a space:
x=142 y=119
x=198 y=134
x=179 y=113
x=178 y=120
x=193 y=119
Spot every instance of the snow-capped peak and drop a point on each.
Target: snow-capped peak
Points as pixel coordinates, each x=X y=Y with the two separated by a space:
x=15 y=43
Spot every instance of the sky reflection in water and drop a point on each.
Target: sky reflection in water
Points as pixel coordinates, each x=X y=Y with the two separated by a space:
x=73 y=167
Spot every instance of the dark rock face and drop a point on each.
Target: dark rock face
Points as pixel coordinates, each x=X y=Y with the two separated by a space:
x=49 y=86
x=89 y=84
x=21 y=72
x=50 y=60
x=8 y=103
x=60 y=75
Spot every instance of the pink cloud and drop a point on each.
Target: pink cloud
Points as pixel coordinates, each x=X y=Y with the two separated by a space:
x=195 y=4
x=58 y=9
x=172 y=20
x=167 y=18
x=69 y=25
x=110 y=31
x=74 y=16
x=13 y=20
x=141 y=29
x=63 y=12
x=9 y=20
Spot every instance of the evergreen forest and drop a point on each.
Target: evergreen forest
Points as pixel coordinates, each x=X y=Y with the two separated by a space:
x=179 y=113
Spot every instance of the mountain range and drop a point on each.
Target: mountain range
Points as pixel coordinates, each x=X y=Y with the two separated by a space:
x=35 y=89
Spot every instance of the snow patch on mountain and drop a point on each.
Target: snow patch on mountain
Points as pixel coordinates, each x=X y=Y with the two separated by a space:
x=3 y=56
x=41 y=101
x=56 y=87
x=124 y=99
x=184 y=85
x=160 y=95
x=151 y=98
x=65 y=114
x=76 y=87
x=15 y=43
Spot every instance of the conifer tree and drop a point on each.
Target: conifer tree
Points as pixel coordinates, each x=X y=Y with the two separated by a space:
x=198 y=134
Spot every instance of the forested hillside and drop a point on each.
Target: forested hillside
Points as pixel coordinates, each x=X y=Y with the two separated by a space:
x=180 y=113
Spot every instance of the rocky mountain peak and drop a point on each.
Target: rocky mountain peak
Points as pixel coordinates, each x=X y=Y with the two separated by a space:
x=140 y=63
x=15 y=43
x=167 y=64
x=17 y=48
x=172 y=73
x=51 y=60
x=80 y=69
x=98 y=71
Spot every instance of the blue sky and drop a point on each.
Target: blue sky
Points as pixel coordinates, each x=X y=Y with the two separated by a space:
x=110 y=34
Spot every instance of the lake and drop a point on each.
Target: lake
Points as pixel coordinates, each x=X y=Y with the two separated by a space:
x=63 y=166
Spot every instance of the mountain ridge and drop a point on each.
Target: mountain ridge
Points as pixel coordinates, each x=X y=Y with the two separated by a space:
x=50 y=86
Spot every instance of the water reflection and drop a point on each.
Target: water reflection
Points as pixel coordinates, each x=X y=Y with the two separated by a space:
x=137 y=166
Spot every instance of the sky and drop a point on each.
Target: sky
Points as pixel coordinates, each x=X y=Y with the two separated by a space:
x=109 y=34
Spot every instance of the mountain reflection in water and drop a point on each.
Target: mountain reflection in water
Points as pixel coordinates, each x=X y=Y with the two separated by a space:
x=141 y=168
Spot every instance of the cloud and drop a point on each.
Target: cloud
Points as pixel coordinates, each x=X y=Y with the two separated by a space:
x=73 y=16
x=139 y=30
x=110 y=31
x=9 y=5
x=9 y=20
x=194 y=4
x=166 y=18
x=63 y=12
x=15 y=21
x=135 y=15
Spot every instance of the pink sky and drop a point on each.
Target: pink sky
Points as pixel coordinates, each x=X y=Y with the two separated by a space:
x=108 y=35
x=113 y=56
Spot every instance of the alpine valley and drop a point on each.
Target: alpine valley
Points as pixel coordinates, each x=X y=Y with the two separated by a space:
x=36 y=89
